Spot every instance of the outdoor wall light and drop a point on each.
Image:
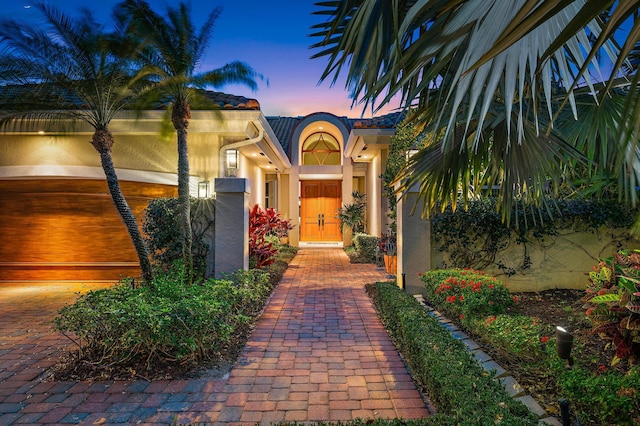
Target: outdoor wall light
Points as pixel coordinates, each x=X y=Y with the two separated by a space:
x=564 y=342
x=203 y=189
x=232 y=161
x=411 y=152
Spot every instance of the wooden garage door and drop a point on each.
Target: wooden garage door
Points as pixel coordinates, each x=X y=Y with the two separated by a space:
x=68 y=229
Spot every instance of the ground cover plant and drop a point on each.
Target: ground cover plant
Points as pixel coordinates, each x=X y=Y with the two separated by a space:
x=168 y=330
x=520 y=336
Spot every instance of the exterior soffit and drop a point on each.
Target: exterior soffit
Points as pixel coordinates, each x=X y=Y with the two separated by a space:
x=364 y=144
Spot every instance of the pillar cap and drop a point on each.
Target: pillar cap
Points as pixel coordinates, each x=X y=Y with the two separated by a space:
x=231 y=184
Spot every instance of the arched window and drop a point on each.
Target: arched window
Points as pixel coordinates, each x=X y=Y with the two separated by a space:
x=321 y=149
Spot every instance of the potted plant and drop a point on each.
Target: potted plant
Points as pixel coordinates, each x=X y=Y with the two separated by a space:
x=352 y=215
x=387 y=245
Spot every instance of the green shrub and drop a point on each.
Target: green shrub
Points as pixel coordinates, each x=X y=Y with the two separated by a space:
x=277 y=269
x=161 y=226
x=604 y=397
x=352 y=215
x=461 y=390
x=366 y=247
x=172 y=322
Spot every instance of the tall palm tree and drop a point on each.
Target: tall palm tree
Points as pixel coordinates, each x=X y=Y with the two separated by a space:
x=176 y=50
x=479 y=69
x=68 y=68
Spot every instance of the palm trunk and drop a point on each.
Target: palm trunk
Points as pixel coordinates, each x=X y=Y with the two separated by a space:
x=102 y=141
x=180 y=116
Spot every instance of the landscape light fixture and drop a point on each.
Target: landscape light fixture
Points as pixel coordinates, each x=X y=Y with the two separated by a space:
x=232 y=161
x=203 y=189
x=564 y=342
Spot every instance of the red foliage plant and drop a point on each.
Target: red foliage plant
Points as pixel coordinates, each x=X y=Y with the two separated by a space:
x=263 y=223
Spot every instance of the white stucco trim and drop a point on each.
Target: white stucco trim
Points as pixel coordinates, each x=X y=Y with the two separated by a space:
x=359 y=138
x=85 y=172
x=321 y=176
x=277 y=154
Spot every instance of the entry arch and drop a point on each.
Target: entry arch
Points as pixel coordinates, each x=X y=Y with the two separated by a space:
x=335 y=167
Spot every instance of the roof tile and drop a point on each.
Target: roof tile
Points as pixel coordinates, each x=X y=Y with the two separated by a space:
x=227 y=101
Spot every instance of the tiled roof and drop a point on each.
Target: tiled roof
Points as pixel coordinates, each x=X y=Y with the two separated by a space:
x=388 y=121
x=283 y=129
x=70 y=100
x=226 y=101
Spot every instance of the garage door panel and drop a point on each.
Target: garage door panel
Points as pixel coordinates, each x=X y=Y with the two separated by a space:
x=72 y=232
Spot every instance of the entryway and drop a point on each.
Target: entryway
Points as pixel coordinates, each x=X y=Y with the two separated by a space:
x=319 y=202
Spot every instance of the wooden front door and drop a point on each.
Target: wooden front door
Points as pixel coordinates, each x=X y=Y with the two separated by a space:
x=320 y=201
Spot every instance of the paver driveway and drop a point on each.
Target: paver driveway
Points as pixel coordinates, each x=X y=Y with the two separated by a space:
x=318 y=352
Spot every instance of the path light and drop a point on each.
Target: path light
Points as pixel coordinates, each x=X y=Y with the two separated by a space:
x=565 y=413
x=203 y=189
x=564 y=342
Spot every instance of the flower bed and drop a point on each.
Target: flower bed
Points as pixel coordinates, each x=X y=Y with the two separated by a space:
x=600 y=394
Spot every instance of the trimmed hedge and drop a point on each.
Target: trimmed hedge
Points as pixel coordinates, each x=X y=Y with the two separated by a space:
x=366 y=246
x=461 y=390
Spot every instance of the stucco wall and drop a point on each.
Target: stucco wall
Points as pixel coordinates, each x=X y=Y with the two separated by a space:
x=143 y=152
x=560 y=261
x=374 y=193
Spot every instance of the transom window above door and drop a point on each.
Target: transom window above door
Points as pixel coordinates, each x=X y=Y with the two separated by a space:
x=321 y=149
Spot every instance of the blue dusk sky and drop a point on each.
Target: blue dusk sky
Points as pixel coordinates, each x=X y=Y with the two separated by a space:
x=271 y=36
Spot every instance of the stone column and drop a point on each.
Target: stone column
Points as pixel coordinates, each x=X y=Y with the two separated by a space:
x=414 y=243
x=232 y=225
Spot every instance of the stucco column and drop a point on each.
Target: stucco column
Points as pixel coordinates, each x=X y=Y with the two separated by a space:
x=232 y=225
x=414 y=243
x=347 y=190
x=294 y=207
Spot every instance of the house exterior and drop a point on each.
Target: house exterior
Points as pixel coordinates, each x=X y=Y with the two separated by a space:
x=57 y=220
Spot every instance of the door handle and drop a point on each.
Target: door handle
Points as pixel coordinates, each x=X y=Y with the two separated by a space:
x=318 y=219
x=323 y=220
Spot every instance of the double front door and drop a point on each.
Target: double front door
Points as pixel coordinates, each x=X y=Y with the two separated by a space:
x=319 y=204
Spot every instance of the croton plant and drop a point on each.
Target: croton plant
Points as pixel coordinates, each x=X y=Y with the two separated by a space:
x=612 y=302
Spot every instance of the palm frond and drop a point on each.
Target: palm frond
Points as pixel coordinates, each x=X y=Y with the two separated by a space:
x=460 y=169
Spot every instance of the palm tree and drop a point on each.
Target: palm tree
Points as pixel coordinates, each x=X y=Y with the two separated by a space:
x=176 y=50
x=495 y=77
x=69 y=68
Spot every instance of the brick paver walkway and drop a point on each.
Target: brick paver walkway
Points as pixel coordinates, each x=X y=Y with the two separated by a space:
x=318 y=352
